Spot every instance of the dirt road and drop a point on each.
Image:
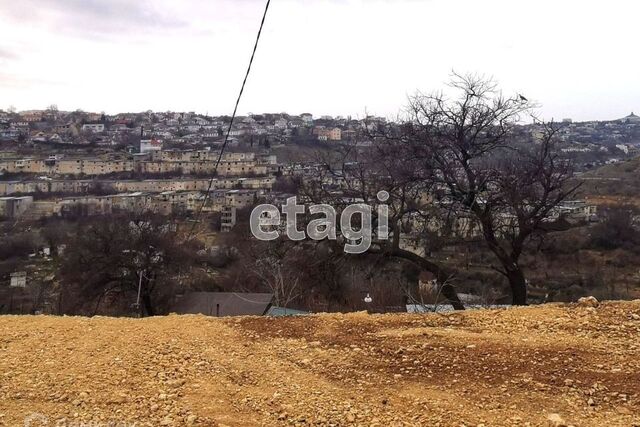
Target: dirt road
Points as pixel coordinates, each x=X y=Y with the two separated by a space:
x=536 y=366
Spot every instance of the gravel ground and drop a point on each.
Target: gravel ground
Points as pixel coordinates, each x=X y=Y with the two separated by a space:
x=552 y=365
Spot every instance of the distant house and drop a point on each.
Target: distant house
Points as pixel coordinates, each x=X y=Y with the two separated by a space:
x=296 y=123
x=93 y=127
x=222 y=304
x=307 y=118
x=324 y=134
x=349 y=134
x=31 y=116
x=335 y=134
x=9 y=134
x=19 y=279
x=150 y=145
x=193 y=128
x=20 y=125
x=66 y=128
x=120 y=127
x=281 y=124
x=237 y=131
x=39 y=137
x=55 y=138
x=575 y=210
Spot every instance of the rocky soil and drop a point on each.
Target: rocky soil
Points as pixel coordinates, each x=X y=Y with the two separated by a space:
x=553 y=365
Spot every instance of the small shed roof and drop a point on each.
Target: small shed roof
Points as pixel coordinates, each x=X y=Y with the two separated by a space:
x=222 y=304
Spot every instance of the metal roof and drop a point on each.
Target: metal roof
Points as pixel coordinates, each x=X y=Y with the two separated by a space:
x=221 y=304
x=283 y=312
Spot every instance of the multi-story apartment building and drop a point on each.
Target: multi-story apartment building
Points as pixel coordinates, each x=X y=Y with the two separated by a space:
x=228 y=219
x=54 y=166
x=8 y=188
x=163 y=203
x=240 y=198
x=225 y=168
x=186 y=162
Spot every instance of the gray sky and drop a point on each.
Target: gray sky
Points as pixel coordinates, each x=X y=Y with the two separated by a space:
x=578 y=58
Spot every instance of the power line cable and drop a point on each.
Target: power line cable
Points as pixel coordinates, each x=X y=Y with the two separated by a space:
x=233 y=116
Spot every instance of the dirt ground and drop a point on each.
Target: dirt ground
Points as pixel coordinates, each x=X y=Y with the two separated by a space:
x=549 y=365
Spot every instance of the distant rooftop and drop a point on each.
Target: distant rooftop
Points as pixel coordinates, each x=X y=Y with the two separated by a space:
x=224 y=304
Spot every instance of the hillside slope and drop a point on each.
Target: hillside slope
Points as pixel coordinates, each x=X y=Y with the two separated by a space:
x=533 y=366
x=613 y=184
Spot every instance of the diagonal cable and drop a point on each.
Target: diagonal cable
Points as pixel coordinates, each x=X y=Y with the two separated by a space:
x=233 y=116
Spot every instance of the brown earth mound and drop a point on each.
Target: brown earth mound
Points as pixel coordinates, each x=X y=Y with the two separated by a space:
x=537 y=366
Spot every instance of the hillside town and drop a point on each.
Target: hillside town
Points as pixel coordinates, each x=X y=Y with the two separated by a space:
x=189 y=128
x=64 y=166
x=157 y=128
x=160 y=160
x=54 y=163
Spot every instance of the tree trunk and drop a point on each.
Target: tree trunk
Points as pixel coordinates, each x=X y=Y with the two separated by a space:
x=442 y=276
x=518 y=286
x=452 y=296
x=148 y=306
x=95 y=309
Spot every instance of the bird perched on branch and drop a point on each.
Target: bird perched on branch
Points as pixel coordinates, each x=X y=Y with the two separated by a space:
x=522 y=98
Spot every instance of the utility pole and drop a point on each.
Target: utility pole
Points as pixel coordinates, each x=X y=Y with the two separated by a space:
x=137 y=304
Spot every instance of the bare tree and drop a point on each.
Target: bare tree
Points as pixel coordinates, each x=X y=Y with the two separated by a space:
x=455 y=169
x=124 y=256
x=472 y=154
x=276 y=277
x=351 y=173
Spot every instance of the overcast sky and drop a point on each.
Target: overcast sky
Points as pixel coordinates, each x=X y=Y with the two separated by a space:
x=578 y=58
